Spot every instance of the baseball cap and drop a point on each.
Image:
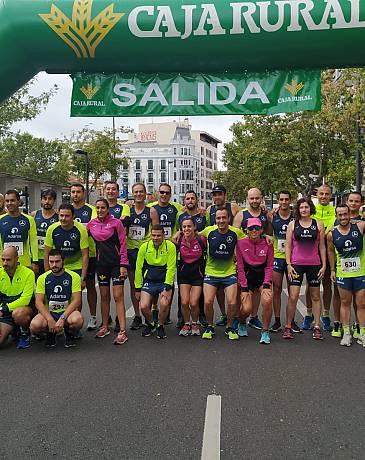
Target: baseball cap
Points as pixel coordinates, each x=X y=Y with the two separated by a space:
x=252 y=221
x=219 y=188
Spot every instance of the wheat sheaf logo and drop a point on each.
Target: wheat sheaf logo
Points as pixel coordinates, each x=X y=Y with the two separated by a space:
x=294 y=88
x=82 y=33
x=89 y=91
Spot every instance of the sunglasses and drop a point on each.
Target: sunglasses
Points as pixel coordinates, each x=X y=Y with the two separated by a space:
x=162 y=192
x=254 y=227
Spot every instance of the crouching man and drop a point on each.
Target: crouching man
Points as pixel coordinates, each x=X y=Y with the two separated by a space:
x=58 y=297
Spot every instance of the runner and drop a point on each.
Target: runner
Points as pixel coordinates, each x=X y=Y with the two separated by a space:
x=19 y=230
x=219 y=196
x=280 y=221
x=2 y=205
x=190 y=275
x=255 y=261
x=305 y=253
x=346 y=256
x=111 y=265
x=43 y=218
x=70 y=238
x=355 y=201
x=140 y=223
x=84 y=212
x=325 y=213
x=16 y=293
x=255 y=203
x=120 y=211
x=154 y=276
x=58 y=298
x=220 y=271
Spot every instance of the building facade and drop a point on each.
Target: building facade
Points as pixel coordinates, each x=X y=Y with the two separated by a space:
x=171 y=152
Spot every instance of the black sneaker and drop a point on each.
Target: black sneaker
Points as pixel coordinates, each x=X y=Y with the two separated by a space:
x=295 y=327
x=117 y=325
x=180 y=323
x=161 y=334
x=69 y=340
x=148 y=329
x=136 y=323
x=51 y=340
x=203 y=320
x=276 y=327
x=168 y=320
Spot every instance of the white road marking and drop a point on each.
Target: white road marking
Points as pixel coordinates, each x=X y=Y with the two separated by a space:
x=211 y=449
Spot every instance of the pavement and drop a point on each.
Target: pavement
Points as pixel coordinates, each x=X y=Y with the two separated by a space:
x=148 y=398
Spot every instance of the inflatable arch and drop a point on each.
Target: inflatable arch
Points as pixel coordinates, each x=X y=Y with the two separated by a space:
x=68 y=36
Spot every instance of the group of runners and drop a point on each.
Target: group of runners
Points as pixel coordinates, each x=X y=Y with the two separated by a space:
x=238 y=257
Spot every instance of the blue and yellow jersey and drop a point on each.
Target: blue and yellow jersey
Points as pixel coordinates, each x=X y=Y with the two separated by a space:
x=58 y=289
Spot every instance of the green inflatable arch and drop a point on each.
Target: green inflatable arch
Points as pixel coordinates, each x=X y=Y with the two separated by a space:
x=68 y=36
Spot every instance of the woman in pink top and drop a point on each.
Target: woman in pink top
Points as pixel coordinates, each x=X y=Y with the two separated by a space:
x=305 y=253
x=190 y=275
x=111 y=265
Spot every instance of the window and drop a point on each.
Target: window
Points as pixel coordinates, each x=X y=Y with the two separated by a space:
x=150 y=189
x=174 y=175
x=182 y=151
x=150 y=164
x=150 y=178
x=163 y=166
x=138 y=177
x=138 y=165
x=185 y=151
x=174 y=150
x=202 y=184
x=174 y=163
x=201 y=161
x=163 y=176
x=175 y=190
x=125 y=166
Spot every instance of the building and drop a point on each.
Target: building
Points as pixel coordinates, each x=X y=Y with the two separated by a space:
x=171 y=152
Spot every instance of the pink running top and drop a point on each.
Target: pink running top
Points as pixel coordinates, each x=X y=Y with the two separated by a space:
x=305 y=244
x=192 y=252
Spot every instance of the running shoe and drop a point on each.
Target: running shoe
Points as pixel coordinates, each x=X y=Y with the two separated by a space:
x=326 y=321
x=185 y=330
x=208 y=333
x=70 y=340
x=361 y=340
x=51 y=340
x=180 y=323
x=38 y=337
x=103 y=331
x=24 y=341
x=222 y=321
x=117 y=325
x=242 y=330
x=168 y=320
x=255 y=323
x=195 y=329
x=295 y=328
x=288 y=333
x=307 y=323
x=336 y=331
x=92 y=324
x=148 y=329
x=161 y=334
x=317 y=333
x=77 y=334
x=265 y=337
x=356 y=330
x=276 y=327
x=235 y=324
x=136 y=323
x=203 y=320
x=155 y=315
x=120 y=338
x=231 y=333
x=346 y=340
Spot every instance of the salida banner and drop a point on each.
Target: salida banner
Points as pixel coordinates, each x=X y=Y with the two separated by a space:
x=99 y=95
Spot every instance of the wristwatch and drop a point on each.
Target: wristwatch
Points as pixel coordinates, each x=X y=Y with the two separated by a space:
x=63 y=316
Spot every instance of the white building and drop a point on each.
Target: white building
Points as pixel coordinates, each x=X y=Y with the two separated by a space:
x=171 y=152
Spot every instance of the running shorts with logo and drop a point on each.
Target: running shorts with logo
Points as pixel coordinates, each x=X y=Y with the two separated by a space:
x=105 y=274
x=220 y=281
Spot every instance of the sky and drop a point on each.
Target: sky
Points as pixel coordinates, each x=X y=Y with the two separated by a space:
x=55 y=121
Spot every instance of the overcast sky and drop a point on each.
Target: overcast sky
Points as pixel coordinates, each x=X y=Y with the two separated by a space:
x=56 y=122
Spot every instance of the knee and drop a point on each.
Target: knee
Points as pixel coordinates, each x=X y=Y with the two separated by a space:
x=315 y=296
x=20 y=315
x=118 y=298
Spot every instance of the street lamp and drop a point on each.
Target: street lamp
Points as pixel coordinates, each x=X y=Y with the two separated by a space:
x=358 y=154
x=87 y=171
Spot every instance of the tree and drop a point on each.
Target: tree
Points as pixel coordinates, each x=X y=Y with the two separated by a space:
x=22 y=106
x=294 y=151
x=35 y=158
x=104 y=149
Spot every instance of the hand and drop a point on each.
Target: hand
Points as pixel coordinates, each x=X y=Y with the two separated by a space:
x=123 y=273
x=269 y=240
x=266 y=294
x=333 y=276
x=129 y=203
x=166 y=295
x=321 y=272
x=35 y=268
x=59 y=325
x=138 y=296
x=202 y=211
x=83 y=285
x=245 y=297
x=51 y=325
x=176 y=237
x=291 y=272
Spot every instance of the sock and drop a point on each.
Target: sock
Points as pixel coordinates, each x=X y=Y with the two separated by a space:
x=346 y=329
x=24 y=330
x=277 y=318
x=309 y=312
x=326 y=312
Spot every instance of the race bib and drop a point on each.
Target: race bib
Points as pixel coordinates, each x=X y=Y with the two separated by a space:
x=136 y=233
x=352 y=264
x=167 y=232
x=281 y=245
x=57 y=305
x=41 y=242
x=18 y=246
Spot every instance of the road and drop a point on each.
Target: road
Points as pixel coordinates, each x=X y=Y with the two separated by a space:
x=148 y=399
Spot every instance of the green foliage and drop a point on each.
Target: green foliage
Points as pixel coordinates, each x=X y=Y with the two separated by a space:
x=294 y=151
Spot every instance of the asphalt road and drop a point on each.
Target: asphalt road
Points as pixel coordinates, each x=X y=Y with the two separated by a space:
x=147 y=399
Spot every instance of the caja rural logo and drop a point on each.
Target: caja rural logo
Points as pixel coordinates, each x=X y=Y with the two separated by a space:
x=294 y=88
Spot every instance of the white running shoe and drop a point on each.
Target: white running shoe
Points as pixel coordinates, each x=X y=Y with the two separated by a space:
x=92 y=324
x=346 y=340
x=361 y=340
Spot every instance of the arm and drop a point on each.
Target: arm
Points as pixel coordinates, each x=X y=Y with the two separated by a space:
x=84 y=246
x=171 y=266
x=27 y=293
x=241 y=269
x=46 y=255
x=43 y=309
x=33 y=242
x=138 y=278
x=207 y=215
x=238 y=219
x=288 y=250
x=85 y=263
x=322 y=245
x=123 y=263
x=269 y=266
x=155 y=220
x=48 y=245
x=331 y=256
x=235 y=209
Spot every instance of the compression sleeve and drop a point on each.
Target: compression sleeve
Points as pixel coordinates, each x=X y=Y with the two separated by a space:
x=269 y=265
x=123 y=245
x=138 y=277
x=171 y=264
x=27 y=293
